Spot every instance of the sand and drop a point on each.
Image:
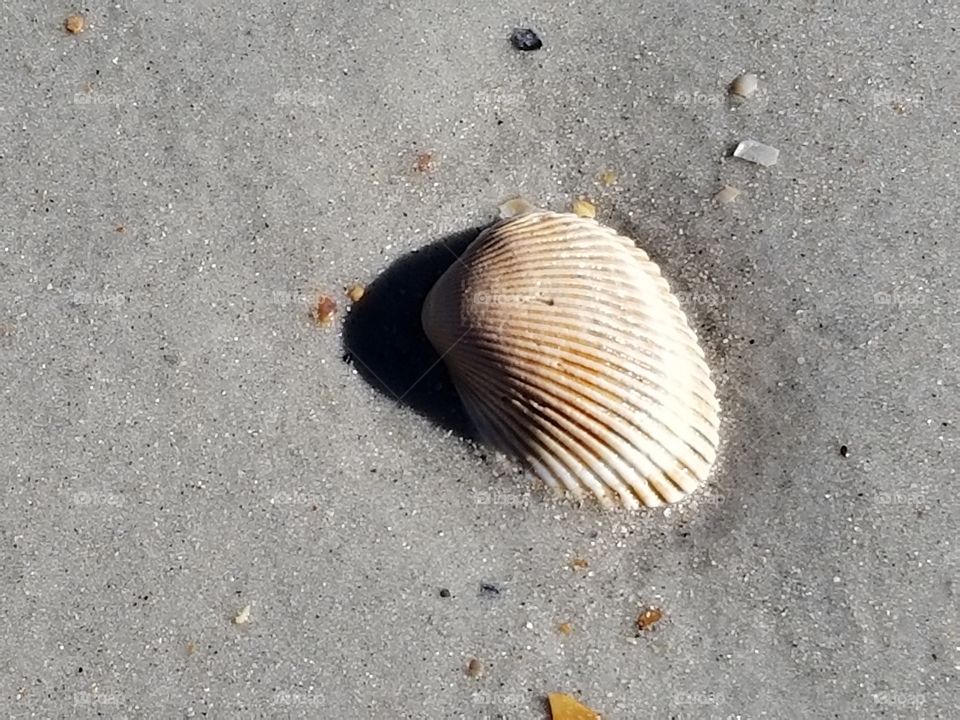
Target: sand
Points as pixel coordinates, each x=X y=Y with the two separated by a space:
x=184 y=446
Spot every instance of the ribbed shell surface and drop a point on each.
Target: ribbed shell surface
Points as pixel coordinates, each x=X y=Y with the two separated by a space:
x=571 y=353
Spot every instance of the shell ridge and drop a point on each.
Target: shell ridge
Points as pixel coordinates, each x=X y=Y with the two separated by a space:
x=547 y=399
x=621 y=433
x=595 y=368
x=607 y=436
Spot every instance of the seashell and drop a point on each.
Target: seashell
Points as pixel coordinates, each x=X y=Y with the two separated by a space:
x=570 y=353
x=745 y=85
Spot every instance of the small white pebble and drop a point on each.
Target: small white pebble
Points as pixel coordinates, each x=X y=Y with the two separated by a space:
x=726 y=195
x=242 y=617
x=745 y=85
x=757 y=152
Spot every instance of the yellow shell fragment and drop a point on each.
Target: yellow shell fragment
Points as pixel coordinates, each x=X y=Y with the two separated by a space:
x=564 y=707
x=570 y=353
x=608 y=178
x=584 y=208
x=355 y=292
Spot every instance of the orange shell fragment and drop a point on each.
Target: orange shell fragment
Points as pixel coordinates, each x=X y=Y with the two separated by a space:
x=564 y=707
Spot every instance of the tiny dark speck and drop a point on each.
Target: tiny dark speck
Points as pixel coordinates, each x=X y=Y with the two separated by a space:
x=488 y=590
x=526 y=39
x=444 y=593
x=844 y=451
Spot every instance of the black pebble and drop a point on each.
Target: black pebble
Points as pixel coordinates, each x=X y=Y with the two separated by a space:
x=844 y=451
x=486 y=589
x=444 y=592
x=526 y=39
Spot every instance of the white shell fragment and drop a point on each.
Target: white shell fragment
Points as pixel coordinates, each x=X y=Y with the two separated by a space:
x=726 y=195
x=757 y=152
x=745 y=85
x=571 y=353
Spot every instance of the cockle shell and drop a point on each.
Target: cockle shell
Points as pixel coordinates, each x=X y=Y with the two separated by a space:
x=570 y=353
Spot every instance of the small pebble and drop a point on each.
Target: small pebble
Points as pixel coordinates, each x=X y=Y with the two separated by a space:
x=488 y=590
x=75 y=24
x=608 y=178
x=565 y=628
x=757 y=152
x=844 y=451
x=242 y=617
x=726 y=195
x=324 y=310
x=744 y=86
x=648 y=618
x=474 y=668
x=444 y=593
x=424 y=162
x=355 y=292
x=526 y=40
